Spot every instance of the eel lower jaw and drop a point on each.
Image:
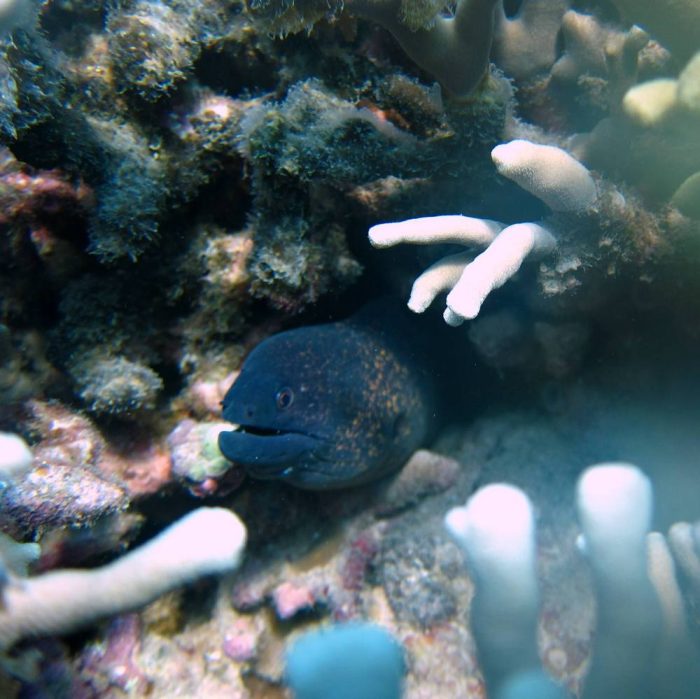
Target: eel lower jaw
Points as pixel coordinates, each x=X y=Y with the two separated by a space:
x=270 y=453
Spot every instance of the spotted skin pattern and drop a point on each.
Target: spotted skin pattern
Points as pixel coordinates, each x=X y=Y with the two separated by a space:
x=333 y=405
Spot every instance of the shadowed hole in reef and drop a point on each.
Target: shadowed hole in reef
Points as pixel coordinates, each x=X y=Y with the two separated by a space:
x=512 y=7
x=82 y=21
x=224 y=70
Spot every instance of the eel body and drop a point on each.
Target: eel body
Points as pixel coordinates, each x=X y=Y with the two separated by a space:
x=333 y=405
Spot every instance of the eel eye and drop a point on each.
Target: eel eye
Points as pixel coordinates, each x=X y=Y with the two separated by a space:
x=284 y=398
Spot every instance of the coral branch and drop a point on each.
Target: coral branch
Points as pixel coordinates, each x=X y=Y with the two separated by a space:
x=465 y=230
x=496 y=530
x=439 y=277
x=683 y=538
x=204 y=542
x=454 y=50
x=346 y=661
x=471 y=282
x=615 y=505
x=548 y=172
x=494 y=267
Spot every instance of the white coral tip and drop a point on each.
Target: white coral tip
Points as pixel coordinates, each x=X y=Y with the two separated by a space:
x=496 y=265
x=548 y=172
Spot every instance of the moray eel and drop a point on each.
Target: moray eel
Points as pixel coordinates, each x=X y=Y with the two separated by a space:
x=333 y=405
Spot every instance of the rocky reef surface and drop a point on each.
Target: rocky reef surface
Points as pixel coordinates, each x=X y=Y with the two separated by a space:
x=180 y=180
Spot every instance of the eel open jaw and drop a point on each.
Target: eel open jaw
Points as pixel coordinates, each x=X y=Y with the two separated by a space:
x=267 y=452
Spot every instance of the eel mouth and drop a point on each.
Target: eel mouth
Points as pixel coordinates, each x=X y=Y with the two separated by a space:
x=268 y=452
x=260 y=431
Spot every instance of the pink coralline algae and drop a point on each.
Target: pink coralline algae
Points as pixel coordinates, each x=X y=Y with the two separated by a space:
x=290 y=599
x=79 y=475
x=144 y=466
x=112 y=663
x=45 y=211
x=362 y=552
x=29 y=194
x=240 y=643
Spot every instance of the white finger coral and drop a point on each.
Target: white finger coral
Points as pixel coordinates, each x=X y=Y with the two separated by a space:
x=496 y=530
x=208 y=541
x=471 y=281
x=446 y=272
x=614 y=503
x=464 y=230
x=494 y=267
x=548 y=172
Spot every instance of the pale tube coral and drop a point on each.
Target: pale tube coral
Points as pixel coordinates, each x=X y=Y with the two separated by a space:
x=439 y=277
x=548 y=172
x=662 y=574
x=471 y=282
x=496 y=530
x=614 y=503
x=676 y=674
x=682 y=538
x=445 y=273
x=464 y=230
x=15 y=456
x=208 y=541
x=494 y=267
x=455 y=50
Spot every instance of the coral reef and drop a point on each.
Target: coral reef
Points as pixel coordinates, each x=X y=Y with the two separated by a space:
x=180 y=180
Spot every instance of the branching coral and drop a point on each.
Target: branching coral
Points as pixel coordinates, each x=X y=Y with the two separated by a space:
x=205 y=542
x=549 y=173
x=670 y=110
x=525 y=45
x=346 y=661
x=634 y=582
x=674 y=22
x=500 y=551
x=455 y=50
x=618 y=498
